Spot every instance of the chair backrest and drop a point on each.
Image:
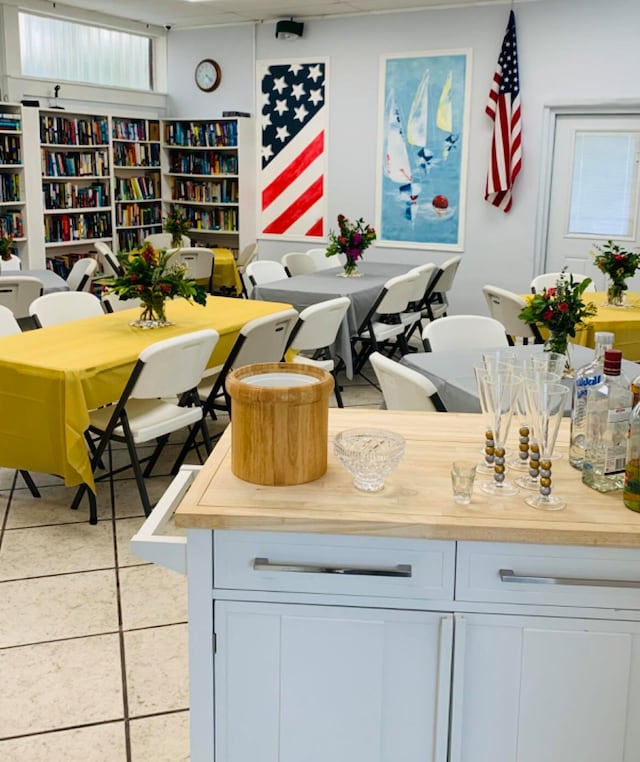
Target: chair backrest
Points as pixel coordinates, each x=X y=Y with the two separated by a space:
x=64 y=307
x=505 y=306
x=265 y=271
x=109 y=261
x=397 y=293
x=549 y=280
x=419 y=290
x=163 y=240
x=404 y=388
x=198 y=260
x=17 y=292
x=8 y=324
x=263 y=339
x=81 y=274
x=113 y=303
x=448 y=270
x=173 y=366
x=248 y=254
x=298 y=263
x=464 y=332
x=12 y=264
x=318 y=324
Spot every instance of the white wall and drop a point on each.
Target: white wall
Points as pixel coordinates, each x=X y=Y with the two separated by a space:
x=570 y=51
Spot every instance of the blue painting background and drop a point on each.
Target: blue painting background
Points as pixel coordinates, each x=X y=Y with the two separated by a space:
x=443 y=177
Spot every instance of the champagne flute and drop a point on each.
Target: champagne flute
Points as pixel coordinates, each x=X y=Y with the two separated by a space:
x=498 y=390
x=545 y=404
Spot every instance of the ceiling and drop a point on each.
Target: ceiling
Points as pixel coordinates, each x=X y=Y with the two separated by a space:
x=192 y=13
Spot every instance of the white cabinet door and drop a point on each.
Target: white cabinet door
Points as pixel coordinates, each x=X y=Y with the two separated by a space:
x=534 y=689
x=297 y=683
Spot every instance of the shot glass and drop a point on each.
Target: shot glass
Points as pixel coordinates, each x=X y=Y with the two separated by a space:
x=463 y=473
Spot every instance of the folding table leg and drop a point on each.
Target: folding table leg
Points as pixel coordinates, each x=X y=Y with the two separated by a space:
x=30 y=483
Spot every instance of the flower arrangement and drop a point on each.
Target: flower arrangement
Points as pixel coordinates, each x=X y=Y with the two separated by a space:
x=176 y=223
x=560 y=310
x=351 y=240
x=6 y=246
x=149 y=275
x=619 y=265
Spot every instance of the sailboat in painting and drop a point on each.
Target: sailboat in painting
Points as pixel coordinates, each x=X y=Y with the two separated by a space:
x=444 y=118
x=417 y=125
x=397 y=166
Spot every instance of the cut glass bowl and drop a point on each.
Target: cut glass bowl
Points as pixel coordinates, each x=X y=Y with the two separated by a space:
x=369 y=455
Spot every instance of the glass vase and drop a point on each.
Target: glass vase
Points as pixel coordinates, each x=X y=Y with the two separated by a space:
x=350 y=269
x=153 y=312
x=176 y=240
x=558 y=344
x=616 y=293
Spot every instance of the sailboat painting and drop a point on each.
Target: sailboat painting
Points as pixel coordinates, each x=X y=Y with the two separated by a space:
x=422 y=147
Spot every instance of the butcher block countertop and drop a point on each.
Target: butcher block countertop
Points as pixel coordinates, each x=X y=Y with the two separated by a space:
x=416 y=501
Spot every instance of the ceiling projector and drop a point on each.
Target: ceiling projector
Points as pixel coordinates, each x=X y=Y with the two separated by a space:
x=288 y=29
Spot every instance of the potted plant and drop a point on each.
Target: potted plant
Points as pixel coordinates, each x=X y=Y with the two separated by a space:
x=351 y=240
x=6 y=247
x=176 y=223
x=618 y=264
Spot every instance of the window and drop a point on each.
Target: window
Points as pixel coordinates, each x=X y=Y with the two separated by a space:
x=67 y=50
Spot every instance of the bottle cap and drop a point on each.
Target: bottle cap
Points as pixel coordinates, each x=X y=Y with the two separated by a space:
x=604 y=337
x=612 y=362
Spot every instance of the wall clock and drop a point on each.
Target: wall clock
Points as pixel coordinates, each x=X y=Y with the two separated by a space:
x=208 y=75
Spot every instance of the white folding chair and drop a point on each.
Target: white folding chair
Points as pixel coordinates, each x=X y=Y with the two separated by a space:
x=404 y=388
x=81 y=274
x=113 y=303
x=315 y=331
x=549 y=280
x=323 y=262
x=261 y=340
x=413 y=315
x=247 y=255
x=109 y=261
x=163 y=240
x=505 y=306
x=436 y=302
x=64 y=307
x=382 y=327
x=298 y=263
x=463 y=332
x=198 y=261
x=264 y=271
x=159 y=398
x=13 y=264
x=17 y=292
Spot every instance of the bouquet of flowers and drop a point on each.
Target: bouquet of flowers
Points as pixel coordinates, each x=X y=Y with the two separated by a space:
x=619 y=265
x=6 y=246
x=149 y=275
x=560 y=310
x=176 y=223
x=351 y=240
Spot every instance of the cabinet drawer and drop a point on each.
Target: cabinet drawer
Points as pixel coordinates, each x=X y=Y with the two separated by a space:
x=334 y=565
x=548 y=575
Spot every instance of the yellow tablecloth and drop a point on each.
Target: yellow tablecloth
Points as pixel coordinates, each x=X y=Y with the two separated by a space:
x=225 y=272
x=624 y=322
x=50 y=378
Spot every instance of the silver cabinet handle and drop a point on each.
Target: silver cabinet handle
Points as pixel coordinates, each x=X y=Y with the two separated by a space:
x=401 y=570
x=508 y=575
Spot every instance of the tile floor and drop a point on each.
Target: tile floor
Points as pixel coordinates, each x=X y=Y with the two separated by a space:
x=93 y=640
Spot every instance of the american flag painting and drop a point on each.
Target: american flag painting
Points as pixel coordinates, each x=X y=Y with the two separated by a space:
x=503 y=107
x=293 y=149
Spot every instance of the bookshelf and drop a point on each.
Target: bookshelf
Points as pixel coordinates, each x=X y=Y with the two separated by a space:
x=12 y=180
x=208 y=173
x=136 y=180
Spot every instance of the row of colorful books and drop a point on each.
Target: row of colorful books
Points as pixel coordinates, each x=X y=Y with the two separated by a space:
x=132 y=239
x=136 y=154
x=72 y=131
x=135 y=129
x=202 y=134
x=10 y=149
x=77 y=227
x=11 y=224
x=75 y=164
x=205 y=163
x=10 y=188
x=72 y=196
x=137 y=188
x=130 y=215
x=220 y=192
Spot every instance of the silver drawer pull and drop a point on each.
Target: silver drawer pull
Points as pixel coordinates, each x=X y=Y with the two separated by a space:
x=401 y=570
x=508 y=575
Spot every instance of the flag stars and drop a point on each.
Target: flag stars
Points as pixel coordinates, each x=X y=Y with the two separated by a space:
x=281 y=107
x=315 y=96
x=282 y=133
x=314 y=72
x=300 y=113
x=279 y=84
x=295 y=68
x=297 y=91
x=266 y=152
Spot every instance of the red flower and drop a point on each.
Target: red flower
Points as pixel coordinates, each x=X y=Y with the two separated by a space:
x=563 y=307
x=547 y=315
x=619 y=257
x=550 y=291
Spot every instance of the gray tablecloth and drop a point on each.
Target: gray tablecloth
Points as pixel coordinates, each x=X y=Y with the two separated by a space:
x=452 y=372
x=303 y=290
x=51 y=282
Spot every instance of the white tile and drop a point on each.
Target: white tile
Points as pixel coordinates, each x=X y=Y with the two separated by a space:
x=56 y=549
x=151 y=596
x=52 y=507
x=125 y=529
x=98 y=743
x=163 y=738
x=62 y=606
x=60 y=685
x=157 y=669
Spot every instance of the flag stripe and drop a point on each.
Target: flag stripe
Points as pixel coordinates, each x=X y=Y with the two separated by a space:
x=292 y=170
x=295 y=210
x=317 y=228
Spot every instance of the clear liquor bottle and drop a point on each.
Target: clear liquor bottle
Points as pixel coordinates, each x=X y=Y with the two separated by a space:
x=631 y=494
x=587 y=377
x=607 y=427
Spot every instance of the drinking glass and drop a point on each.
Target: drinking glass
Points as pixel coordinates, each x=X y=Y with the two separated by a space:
x=463 y=473
x=498 y=393
x=552 y=362
x=500 y=361
x=545 y=405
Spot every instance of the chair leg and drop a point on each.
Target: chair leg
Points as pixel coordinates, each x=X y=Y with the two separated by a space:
x=135 y=464
x=336 y=391
x=162 y=441
x=30 y=483
x=202 y=427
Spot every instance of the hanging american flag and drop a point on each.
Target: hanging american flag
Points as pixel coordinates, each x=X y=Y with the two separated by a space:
x=292 y=167
x=503 y=107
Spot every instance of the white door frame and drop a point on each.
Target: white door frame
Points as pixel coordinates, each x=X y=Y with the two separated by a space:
x=549 y=116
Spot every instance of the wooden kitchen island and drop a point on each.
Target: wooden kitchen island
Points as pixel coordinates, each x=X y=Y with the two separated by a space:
x=329 y=625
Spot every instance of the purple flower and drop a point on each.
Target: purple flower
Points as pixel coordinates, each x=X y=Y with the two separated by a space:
x=357 y=239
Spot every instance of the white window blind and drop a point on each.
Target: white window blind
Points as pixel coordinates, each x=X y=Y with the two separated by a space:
x=604 y=183
x=66 y=50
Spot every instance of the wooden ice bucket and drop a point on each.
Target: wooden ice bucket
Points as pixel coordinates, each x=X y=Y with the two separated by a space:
x=279 y=422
